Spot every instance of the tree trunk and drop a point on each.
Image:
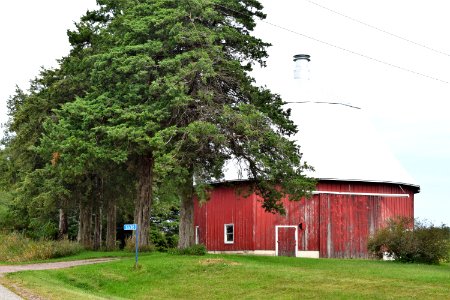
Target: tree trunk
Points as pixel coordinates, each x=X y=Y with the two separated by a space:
x=97 y=210
x=85 y=226
x=97 y=243
x=186 y=229
x=111 y=225
x=63 y=225
x=144 y=198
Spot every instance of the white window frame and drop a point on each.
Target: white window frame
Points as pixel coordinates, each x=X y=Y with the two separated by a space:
x=225 y=240
x=197 y=238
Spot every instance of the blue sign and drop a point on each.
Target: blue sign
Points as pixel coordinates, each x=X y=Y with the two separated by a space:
x=133 y=227
x=129 y=226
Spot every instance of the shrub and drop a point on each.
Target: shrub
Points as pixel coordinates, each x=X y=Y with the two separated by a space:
x=162 y=240
x=433 y=242
x=407 y=241
x=17 y=248
x=199 y=249
x=130 y=245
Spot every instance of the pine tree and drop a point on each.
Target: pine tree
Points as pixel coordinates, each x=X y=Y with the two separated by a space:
x=161 y=89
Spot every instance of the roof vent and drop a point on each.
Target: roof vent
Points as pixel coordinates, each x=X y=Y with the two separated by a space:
x=301 y=70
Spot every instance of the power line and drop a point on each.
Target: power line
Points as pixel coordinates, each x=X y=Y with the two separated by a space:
x=356 y=53
x=324 y=102
x=340 y=48
x=378 y=29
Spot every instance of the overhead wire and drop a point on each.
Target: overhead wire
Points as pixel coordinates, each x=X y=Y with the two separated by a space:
x=324 y=102
x=339 y=47
x=357 y=53
x=378 y=28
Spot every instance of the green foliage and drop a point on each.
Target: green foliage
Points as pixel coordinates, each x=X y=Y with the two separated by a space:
x=18 y=248
x=433 y=242
x=169 y=79
x=164 y=224
x=33 y=204
x=198 y=250
x=35 y=189
x=408 y=242
x=162 y=241
x=163 y=84
x=5 y=221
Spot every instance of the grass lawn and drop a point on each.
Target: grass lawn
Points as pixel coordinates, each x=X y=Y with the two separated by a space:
x=164 y=276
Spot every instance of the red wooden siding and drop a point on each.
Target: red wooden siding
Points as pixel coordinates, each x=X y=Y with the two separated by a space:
x=347 y=221
x=303 y=212
x=265 y=223
x=226 y=207
x=336 y=225
x=308 y=239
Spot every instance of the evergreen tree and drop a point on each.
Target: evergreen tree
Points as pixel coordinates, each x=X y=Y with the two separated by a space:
x=34 y=199
x=161 y=90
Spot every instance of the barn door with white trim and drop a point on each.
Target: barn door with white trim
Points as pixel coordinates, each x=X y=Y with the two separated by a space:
x=286 y=240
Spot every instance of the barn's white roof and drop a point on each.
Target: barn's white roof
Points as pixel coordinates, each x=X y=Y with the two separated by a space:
x=338 y=140
x=341 y=144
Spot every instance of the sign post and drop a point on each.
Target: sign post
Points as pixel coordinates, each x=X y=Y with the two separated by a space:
x=133 y=227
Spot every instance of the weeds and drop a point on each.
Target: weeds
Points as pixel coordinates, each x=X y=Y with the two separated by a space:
x=130 y=245
x=18 y=248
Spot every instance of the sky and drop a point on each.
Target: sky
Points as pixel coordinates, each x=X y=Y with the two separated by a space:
x=410 y=111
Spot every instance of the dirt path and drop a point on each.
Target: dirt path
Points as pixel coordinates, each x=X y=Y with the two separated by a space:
x=53 y=265
x=8 y=295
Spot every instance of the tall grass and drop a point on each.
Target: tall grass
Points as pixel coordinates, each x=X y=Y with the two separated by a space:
x=18 y=248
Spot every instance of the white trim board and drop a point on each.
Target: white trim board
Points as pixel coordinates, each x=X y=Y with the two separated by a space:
x=309 y=254
x=361 y=194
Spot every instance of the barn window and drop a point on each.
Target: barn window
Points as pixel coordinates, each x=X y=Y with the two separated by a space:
x=229 y=233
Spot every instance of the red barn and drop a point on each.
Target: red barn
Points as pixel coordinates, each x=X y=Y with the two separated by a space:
x=360 y=186
x=335 y=222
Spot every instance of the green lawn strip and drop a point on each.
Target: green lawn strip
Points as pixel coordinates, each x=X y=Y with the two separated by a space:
x=164 y=276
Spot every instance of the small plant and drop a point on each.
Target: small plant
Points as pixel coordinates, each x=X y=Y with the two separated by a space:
x=199 y=249
x=130 y=245
x=409 y=241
